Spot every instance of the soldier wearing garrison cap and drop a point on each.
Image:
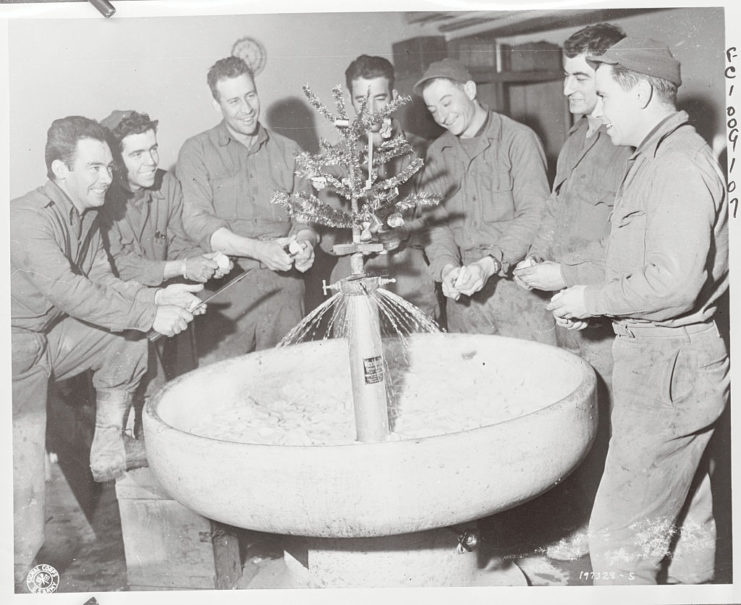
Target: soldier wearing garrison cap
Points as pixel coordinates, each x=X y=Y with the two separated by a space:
x=490 y=172
x=665 y=269
x=143 y=231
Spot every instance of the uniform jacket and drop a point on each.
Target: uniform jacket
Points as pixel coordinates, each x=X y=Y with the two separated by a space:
x=577 y=215
x=227 y=185
x=493 y=200
x=59 y=268
x=667 y=256
x=145 y=229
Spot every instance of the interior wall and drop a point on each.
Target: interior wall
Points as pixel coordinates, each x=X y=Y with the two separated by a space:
x=695 y=37
x=159 y=65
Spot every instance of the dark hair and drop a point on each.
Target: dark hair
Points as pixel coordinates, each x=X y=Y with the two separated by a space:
x=593 y=39
x=229 y=67
x=133 y=123
x=627 y=79
x=369 y=67
x=62 y=137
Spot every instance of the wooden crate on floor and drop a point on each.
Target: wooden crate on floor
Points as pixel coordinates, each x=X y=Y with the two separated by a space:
x=169 y=546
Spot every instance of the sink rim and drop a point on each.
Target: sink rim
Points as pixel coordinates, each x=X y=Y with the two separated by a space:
x=587 y=383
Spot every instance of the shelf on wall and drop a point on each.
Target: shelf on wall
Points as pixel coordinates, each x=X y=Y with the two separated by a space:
x=487 y=75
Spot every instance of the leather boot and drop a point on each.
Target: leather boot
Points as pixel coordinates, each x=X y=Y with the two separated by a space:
x=107 y=453
x=136 y=453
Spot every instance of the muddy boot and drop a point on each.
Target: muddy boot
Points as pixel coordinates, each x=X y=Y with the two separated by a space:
x=107 y=453
x=136 y=453
x=133 y=425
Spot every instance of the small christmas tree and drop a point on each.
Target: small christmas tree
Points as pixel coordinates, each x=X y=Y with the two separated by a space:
x=352 y=169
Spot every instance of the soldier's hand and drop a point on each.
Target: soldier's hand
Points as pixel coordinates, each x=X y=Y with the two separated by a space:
x=526 y=262
x=273 y=254
x=393 y=238
x=474 y=276
x=303 y=257
x=171 y=319
x=572 y=324
x=181 y=295
x=200 y=268
x=450 y=275
x=544 y=276
x=569 y=303
x=224 y=263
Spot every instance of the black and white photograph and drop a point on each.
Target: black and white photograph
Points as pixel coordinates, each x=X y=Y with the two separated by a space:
x=390 y=301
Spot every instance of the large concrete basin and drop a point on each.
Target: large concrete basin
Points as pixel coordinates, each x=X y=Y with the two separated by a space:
x=539 y=402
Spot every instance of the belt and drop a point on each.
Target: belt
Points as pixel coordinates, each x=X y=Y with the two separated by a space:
x=650 y=331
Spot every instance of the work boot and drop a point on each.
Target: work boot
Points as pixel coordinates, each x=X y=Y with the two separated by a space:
x=134 y=424
x=108 y=453
x=136 y=453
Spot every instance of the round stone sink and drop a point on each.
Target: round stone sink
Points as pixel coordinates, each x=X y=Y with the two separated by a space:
x=481 y=424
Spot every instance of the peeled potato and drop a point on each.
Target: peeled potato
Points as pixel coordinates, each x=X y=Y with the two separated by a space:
x=294 y=247
x=223 y=261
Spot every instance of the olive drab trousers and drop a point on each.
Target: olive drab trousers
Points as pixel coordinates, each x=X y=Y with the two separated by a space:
x=504 y=308
x=117 y=360
x=653 y=504
x=252 y=315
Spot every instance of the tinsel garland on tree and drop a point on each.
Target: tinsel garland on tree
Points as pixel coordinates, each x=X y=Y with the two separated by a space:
x=342 y=168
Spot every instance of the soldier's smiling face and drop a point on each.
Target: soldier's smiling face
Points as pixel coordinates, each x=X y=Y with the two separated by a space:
x=140 y=155
x=87 y=177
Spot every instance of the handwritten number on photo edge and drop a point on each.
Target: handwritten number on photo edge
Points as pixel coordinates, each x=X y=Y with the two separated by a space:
x=732 y=124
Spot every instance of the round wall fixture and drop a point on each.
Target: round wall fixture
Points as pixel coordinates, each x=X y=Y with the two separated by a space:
x=251 y=52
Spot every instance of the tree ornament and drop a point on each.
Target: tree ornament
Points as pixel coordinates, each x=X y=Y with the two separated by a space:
x=358 y=171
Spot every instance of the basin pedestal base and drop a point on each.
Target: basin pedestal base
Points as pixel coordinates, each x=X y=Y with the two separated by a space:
x=427 y=558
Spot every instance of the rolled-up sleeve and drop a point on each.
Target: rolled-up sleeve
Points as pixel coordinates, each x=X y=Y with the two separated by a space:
x=100 y=298
x=199 y=216
x=180 y=244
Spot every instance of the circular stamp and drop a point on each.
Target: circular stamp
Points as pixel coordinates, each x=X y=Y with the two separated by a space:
x=42 y=579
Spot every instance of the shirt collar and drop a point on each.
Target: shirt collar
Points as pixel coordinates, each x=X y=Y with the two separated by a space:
x=490 y=129
x=652 y=141
x=59 y=197
x=580 y=123
x=121 y=191
x=223 y=136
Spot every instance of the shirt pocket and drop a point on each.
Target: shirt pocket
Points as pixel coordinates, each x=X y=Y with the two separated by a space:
x=496 y=192
x=281 y=178
x=592 y=188
x=226 y=192
x=696 y=384
x=628 y=241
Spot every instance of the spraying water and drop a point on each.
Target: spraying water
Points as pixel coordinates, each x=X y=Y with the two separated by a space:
x=398 y=319
x=371 y=174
